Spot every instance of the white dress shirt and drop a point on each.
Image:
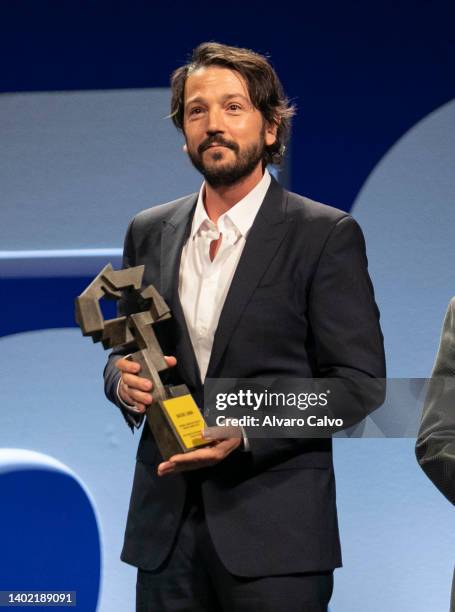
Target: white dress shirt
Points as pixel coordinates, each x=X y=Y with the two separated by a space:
x=204 y=284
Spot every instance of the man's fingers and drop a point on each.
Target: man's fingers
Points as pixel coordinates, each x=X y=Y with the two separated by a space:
x=211 y=453
x=140 y=397
x=140 y=408
x=126 y=365
x=186 y=461
x=134 y=389
x=200 y=458
x=167 y=467
x=136 y=382
x=128 y=397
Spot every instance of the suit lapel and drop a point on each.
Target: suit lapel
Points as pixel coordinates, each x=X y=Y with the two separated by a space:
x=173 y=237
x=265 y=236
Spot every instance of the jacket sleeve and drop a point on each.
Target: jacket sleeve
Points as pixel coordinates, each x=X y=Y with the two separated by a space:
x=348 y=342
x=435 y=447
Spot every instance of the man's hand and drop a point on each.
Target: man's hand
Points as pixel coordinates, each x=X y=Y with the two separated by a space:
x=203 y=457
x=134 y=389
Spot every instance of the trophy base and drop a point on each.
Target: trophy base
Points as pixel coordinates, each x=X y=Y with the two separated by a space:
x=176 y=423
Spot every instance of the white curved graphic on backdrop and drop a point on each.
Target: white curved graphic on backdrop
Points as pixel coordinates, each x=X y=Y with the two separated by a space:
x=57 y=262
x=14 y=459
x=407 y=211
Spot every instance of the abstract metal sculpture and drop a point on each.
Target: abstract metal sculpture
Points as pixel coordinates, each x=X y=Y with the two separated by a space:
x=173 y=417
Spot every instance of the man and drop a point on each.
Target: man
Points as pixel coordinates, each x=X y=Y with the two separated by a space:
x=435 y=447
x=261 y=282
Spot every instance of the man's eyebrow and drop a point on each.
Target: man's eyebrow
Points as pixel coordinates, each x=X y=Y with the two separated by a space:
x=236 y=95
x=197 y=100
x=201 y=100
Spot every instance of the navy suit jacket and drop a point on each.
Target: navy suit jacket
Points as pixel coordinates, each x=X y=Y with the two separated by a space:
x=301 y=304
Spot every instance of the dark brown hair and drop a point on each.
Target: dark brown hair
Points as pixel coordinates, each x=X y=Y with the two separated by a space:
x=264 y=87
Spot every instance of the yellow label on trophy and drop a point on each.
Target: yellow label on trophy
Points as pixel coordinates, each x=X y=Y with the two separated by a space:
x=187 y=420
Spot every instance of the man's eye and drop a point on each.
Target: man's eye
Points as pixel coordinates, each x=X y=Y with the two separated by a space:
x=196 y=111
x=234 y=107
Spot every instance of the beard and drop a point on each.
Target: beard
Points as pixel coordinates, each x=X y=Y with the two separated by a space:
x=219 y=173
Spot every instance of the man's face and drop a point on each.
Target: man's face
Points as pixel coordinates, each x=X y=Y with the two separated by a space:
x=225 y=134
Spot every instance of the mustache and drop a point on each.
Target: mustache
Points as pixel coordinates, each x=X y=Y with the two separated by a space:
x=216 y=140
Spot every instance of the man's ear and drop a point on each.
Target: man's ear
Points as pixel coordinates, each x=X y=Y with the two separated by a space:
x=271 y=129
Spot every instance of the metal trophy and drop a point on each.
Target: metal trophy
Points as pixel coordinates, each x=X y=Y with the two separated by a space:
x=174 y=418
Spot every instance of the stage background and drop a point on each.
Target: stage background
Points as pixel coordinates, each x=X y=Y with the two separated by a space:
x=85 y=144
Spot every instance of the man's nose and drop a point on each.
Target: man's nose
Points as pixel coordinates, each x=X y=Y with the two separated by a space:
x=215 y=122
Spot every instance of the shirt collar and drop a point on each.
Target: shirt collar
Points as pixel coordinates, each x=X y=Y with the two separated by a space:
x=241 y=214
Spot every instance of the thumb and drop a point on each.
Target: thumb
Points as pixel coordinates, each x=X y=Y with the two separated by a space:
x=171 y=361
